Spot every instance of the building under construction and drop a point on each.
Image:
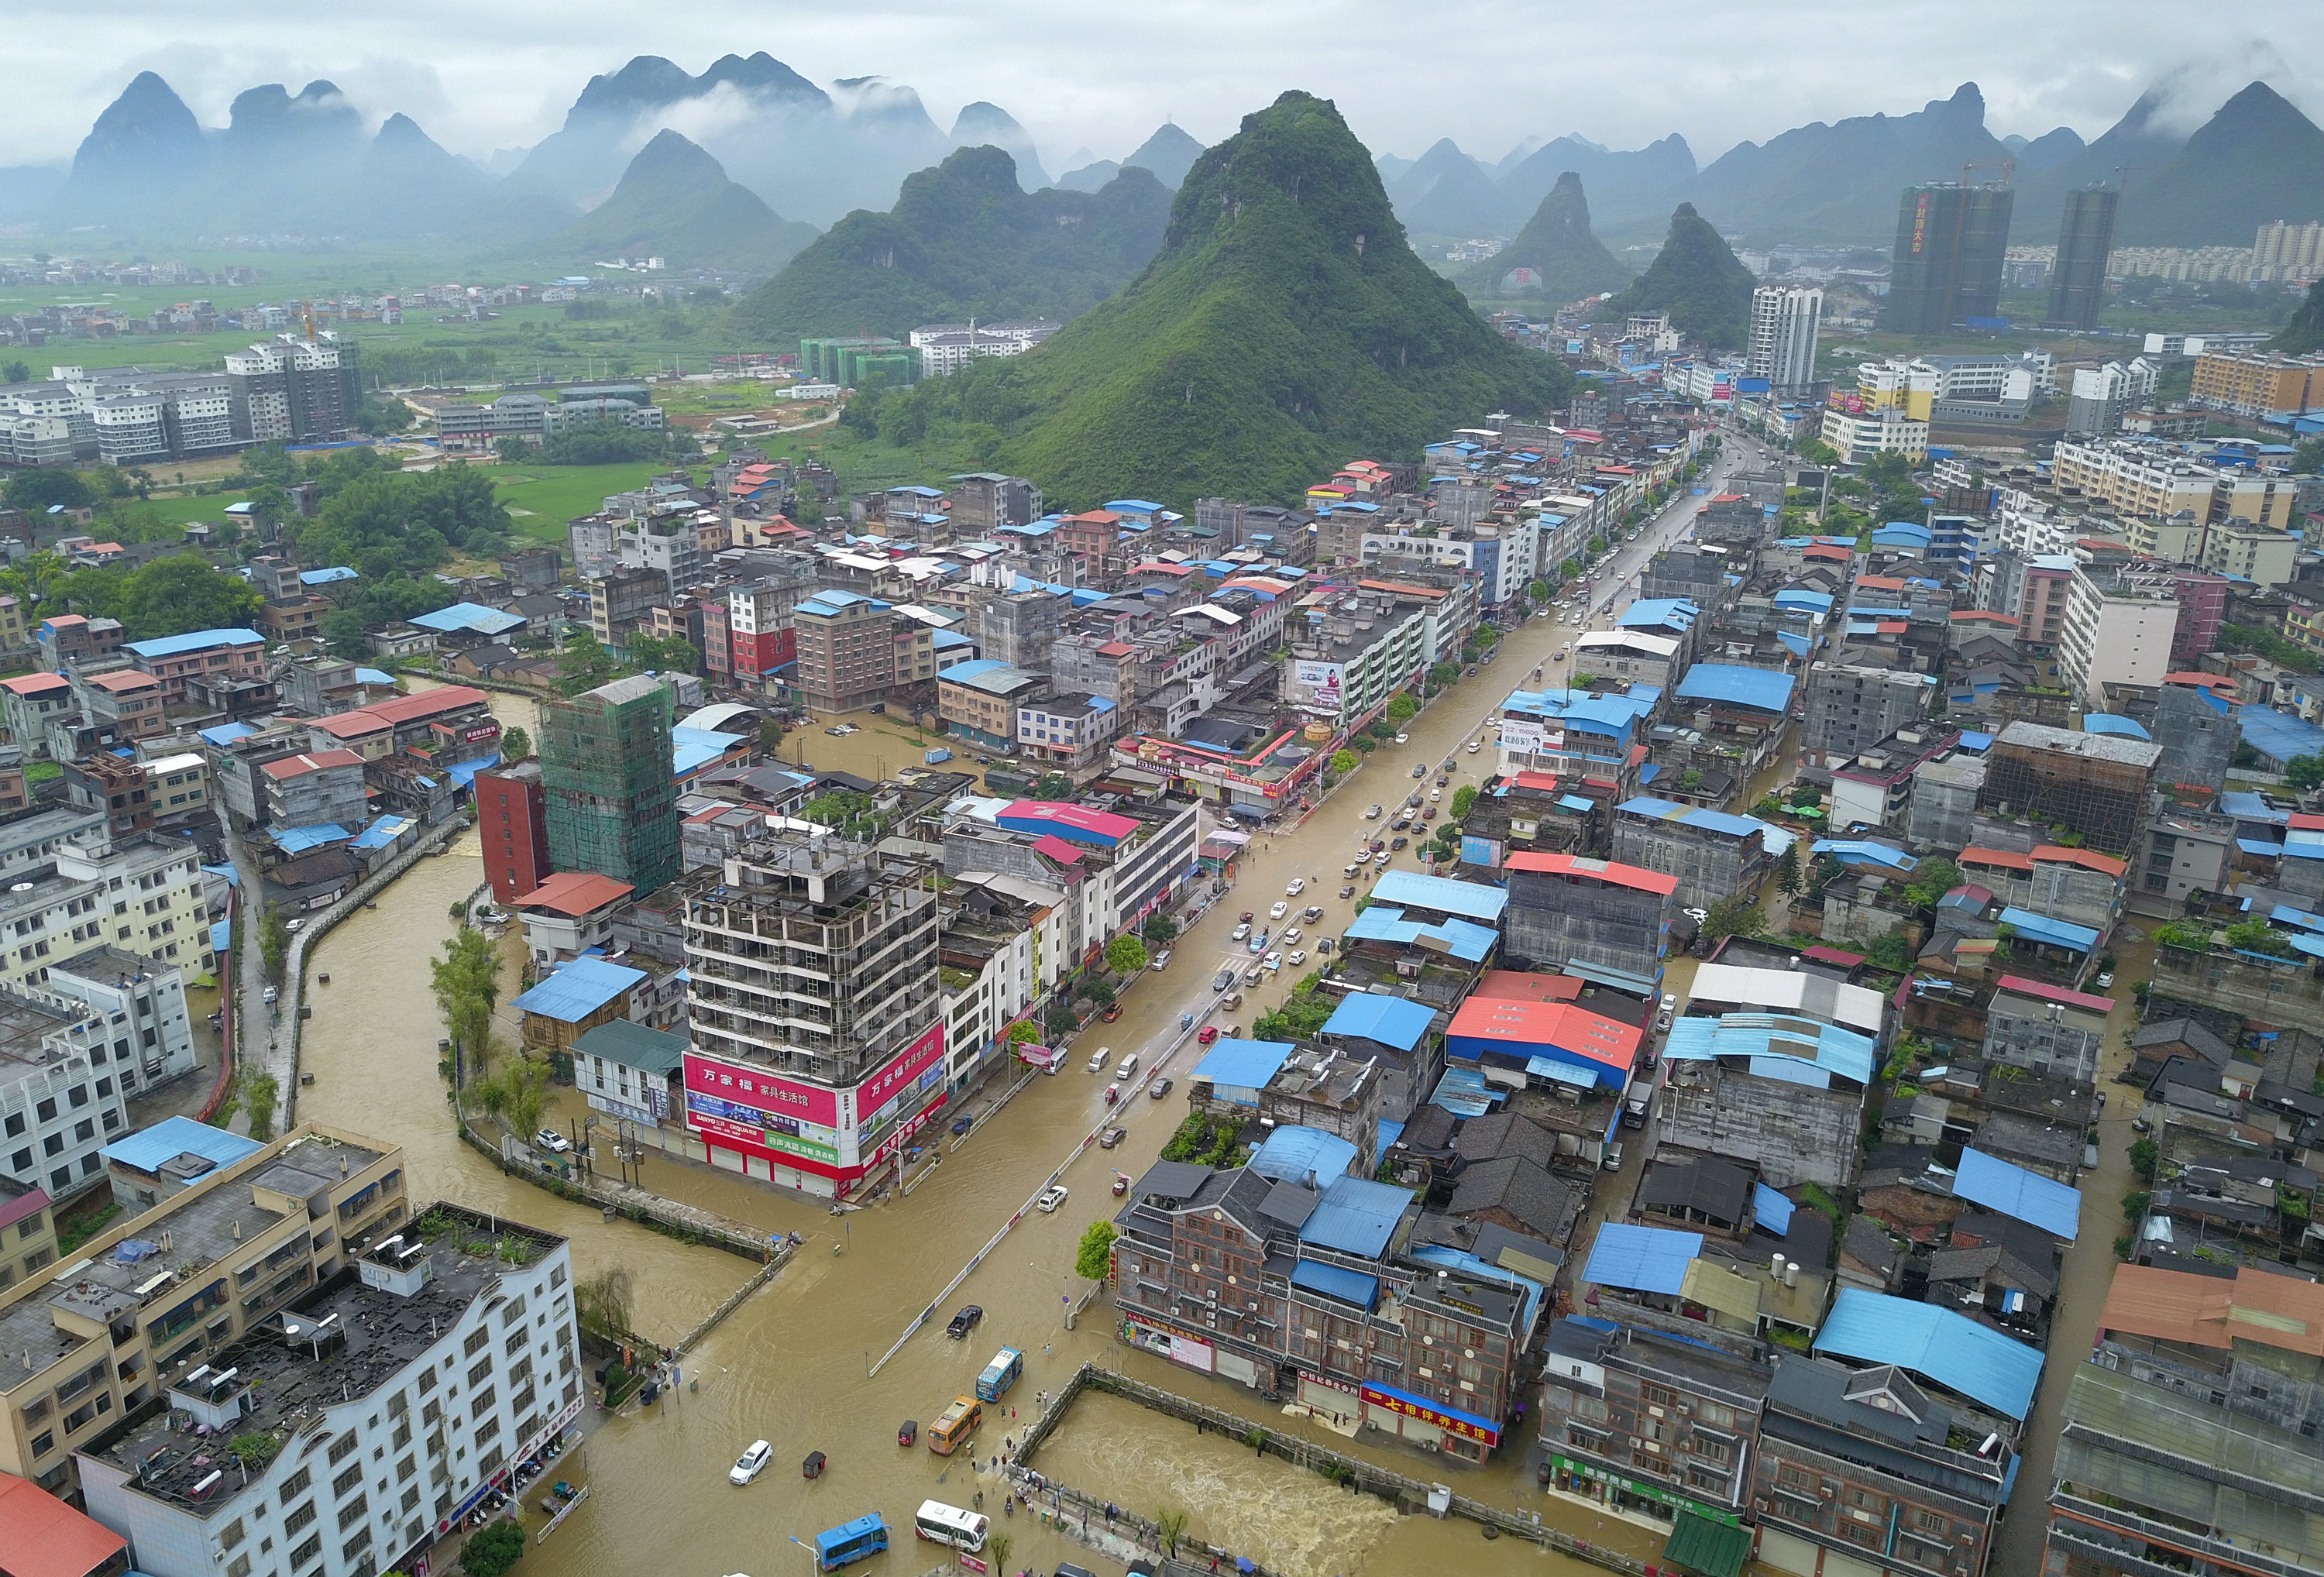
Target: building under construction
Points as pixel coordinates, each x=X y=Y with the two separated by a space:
x=610 y=796
x=2094 y=785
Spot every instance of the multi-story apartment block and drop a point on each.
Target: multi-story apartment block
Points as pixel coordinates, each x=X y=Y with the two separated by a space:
x=2119 y=629
x=291 y=390
x=1067 y=734
x=142 y=895
x=2102 y=394
x=1352 y=649
x=2146 y=476
x=1565 y=910
x=817 y=1011
x=1851 y=706
x=71 y=642
x=1643 y=1420
x=228 y=1254
x=2263 y=387
x=2189 y=1443
x=316 y=788
x=1500 y=556
x=1708 y=853
x=124 y=704
x=759 y=639
x=512 y=829
x=946 y=348
x=29 y=702
x=611 y=805
x=2095 y=784
x=978 y=700
x=2045 y=1028
x=1866 y=1470
x=202 y=657
x=388 y=1406
x=982 y=501
x=621 y=601
x=665 y=543
x=28 y=1231
x=1783 y=322
x=1311 y=1288
x=855 y=651
x=454 y=716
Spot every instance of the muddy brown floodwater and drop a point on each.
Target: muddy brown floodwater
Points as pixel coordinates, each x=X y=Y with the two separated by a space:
x=791 y=1365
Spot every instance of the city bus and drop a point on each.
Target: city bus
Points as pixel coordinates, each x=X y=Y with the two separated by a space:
x=949 y=1525
x=850 y=1541
x=958 y=1422
x=999 y=1374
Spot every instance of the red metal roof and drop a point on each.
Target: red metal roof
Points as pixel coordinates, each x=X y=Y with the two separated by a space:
x=2050 y=994
x=1546 y=782
x=1832 y=955
x=45 y=1538
x=2001 y=857
x=2301 y=821
x=291 y=767
x=1880 y=582
x=1828 y=552
x=575 y=893
x=1558 y=1025
x=36 y=684
x=400 y=709
x=122 y=681
x=1979 y=616
x=2200 y=679
x=2105 y=864
x=1608 y=871
x=1103 y=823
x=1057 y=848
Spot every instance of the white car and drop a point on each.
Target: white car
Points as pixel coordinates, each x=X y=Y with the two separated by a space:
x=1296 y=959
x=1277 y=910
x=554 y=1142
x=1669 y=1001
x=1404 y=739
x=1290 y=936
x=1161 y=960
x=1271 y=961
x=1474 y=747
x=1240 y=932
x=751 y=1463
x=1298 y=885
x=1435 y=795
x=1352 y=870
x=1051 y=1197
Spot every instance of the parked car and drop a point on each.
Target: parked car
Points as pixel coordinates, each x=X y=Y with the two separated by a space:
x=1051 y=1197
x=1404 y=739
x=1697 y=916
x=1378 y=845
x=1322 y=943
x=1158 y=1089
x=1435 y=794
x=1210 y=1032
x=1247 y=917
x=1428 y=815
x=1398 y=846
x=1411 y=801
x=1350 y=870
x=272 y=996
x=1111 y=1137
x=1112 y=1013
x=1382 y=858
x=1239 y=932
x=1129 y=1066
x=961 y=1125
x=1161 y=960
x=1613 y=1162
x=1669 y=1001
x=1277 y=910
x=554 y=1142
x=1298 y=885
x=2106 y=980
x=965 y=1321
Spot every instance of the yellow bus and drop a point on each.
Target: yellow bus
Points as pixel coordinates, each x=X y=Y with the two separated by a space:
x=958 y=1422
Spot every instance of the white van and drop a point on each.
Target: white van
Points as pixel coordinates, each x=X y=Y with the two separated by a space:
x=1129 y=1066
x=1097 y=1058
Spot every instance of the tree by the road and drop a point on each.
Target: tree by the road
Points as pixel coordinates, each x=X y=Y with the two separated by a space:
x=1344 y=762
x=259 y=1094
x=1463 y=799
x=1093 y=1260
x=1734 y=916
x=1787 y=870
x=467 y=985
x=1125 y=955
x=582 y=663
x=1159 y=929
x=493 y=1549
x=1401 y=707
x=273 y=941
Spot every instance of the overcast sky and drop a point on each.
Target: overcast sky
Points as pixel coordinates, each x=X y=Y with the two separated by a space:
x=481 y=77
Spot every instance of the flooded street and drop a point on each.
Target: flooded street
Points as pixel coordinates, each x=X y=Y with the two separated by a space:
x=791 y=1365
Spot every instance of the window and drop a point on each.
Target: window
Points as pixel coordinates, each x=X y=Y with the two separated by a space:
x=353 y=1511
x=296 y=1484
x=342 y=1448
x=297 y=1520
x=475 y=1342
x=347 y=1480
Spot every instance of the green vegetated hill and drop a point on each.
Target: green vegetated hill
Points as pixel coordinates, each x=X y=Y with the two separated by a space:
x=2304 y=332
x=1698 y=281
x=963 y=241
x=1285 y=328
x=675 y=201
x=1558 y=246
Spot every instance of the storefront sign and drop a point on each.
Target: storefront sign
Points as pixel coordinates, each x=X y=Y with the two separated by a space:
x=1613 y=1480
x=747 y=1087
x=1427 y=1415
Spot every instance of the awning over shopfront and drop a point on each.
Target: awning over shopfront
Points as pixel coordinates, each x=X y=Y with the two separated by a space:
x=1711 y=1548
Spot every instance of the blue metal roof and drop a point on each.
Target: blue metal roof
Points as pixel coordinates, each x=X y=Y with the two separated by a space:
x=194 y=641
x=1942 y=1347
x=2019 y=1194
x=331 y=576
x=1759 y=688
x=373 y=675
x=1774 y=838
x=2109 y=723
x=1391 y=1020
x=1465 y=940
x=1347 y=1286
x=2278 y=735
x=1771 y=1209
x=1471 y=899
x=1134 y=506
x=2056 y=933
x=974 y=668
x=1246 y=1065
x=1610 y=714
x=1798 y=597
x=1356 y=1216
x=225 y=733
x=221 y=936
x=464 y=773
x=579 y=989
x=233 y=876
x=298 y=840
x=150 y=1148
x=1641 y=1258
x=1659 y=613
x=1780 y=1045
x=692 y=749
x=383 y=833
x=1294 y=1151
x=469 y=616
x=1861 y=853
